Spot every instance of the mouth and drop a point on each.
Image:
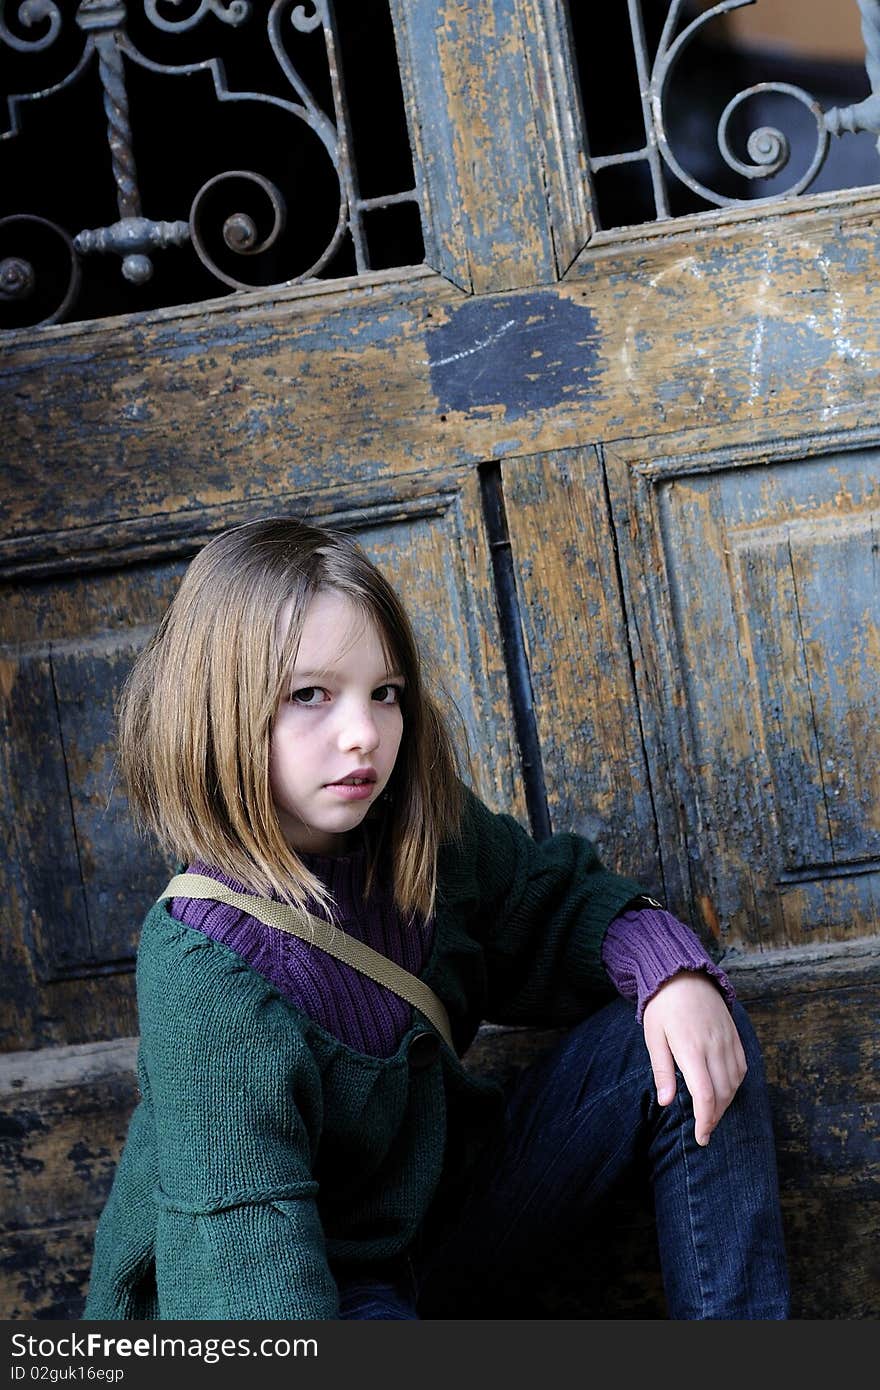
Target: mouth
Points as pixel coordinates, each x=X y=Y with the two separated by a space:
x=355 y=787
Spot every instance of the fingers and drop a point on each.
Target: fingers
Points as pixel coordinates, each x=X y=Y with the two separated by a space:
x=662 y=1063
x=713 y=1075
x=687 y=1024
x=708 y=1107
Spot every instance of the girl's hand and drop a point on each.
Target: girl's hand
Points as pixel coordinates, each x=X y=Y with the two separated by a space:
x=688 y=1023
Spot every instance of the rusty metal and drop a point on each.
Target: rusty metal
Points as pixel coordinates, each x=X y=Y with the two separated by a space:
x=239 y=230
x=768 y=147
x=135 y=237
x=18 y=279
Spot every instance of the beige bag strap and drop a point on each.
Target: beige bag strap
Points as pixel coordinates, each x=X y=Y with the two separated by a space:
x=328 y=938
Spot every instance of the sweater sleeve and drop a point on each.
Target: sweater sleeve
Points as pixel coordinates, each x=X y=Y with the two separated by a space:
x=236 y=1099
x=644 y=948
x=542 y=910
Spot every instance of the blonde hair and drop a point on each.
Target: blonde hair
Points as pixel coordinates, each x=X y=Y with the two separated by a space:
x=195 y=715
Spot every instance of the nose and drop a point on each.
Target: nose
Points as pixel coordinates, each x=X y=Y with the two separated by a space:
x=358 y=728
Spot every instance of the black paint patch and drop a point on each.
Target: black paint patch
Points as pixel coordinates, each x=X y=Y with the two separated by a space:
x=522 y=352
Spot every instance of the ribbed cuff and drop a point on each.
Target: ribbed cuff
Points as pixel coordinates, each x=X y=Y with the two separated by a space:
x=644 y=948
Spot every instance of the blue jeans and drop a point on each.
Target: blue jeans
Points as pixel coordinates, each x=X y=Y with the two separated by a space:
x=581 y=1120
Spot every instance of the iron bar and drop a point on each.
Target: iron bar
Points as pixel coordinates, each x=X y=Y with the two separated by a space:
x=637 y=25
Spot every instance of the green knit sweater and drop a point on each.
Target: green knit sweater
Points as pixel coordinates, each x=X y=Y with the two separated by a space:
x=264 y=1151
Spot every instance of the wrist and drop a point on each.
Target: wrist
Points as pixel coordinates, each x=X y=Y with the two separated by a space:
x=647 y=946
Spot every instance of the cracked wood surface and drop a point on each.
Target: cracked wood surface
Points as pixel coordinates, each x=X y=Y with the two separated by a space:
x=687 y=430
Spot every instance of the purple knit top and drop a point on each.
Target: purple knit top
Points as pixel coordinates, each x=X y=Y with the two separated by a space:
x=367 y=1016
x=642 y=949
x=645 y=947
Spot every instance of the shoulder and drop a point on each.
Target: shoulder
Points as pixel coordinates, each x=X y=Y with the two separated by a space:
x=479 y=823
x=198 y=990
x=496 y=861
x=217 y=1038
x=175 y=955
x=499 y=836
x=483 y=856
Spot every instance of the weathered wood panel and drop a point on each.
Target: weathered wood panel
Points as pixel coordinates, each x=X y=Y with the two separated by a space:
x=73 y=882
x=59 y=738
x=588 y=719
x=817 y=1022
x=556 y=109
x=764 y=608
x=63 y=1119
x=753 y=331
x=478 y=157
x=70 y=1131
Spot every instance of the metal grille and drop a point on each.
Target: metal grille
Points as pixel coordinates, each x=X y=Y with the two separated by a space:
x=687 y=127
x=169 y=151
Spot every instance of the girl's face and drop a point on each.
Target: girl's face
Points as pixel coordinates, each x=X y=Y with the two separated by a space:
x=336 y=734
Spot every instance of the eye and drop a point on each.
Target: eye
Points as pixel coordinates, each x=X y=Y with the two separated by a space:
x=308 y=695
x=388 y=694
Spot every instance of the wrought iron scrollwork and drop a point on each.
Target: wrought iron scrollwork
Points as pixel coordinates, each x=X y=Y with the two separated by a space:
x=19 y=277
x=135 y=238
x=229 y=11
x=865 y=115
x=30 y=13
x=240 y=232
x=768 y=147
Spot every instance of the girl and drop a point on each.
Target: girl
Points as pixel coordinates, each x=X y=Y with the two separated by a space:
x=306 y=1144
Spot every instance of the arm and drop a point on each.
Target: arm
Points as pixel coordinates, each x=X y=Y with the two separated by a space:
x=544 y=909
x=237 y=1109
x=684 y=1000
x=540 y=911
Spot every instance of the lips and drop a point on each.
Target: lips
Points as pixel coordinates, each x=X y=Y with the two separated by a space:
x=360 y=777
x=355 y=786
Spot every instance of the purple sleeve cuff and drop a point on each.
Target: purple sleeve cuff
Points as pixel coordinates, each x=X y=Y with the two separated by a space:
x=645 y=947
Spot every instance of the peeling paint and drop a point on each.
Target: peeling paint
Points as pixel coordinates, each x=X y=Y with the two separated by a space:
x=487 y=349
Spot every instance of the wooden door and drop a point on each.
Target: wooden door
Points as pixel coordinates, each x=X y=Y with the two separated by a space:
x=627 y=480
